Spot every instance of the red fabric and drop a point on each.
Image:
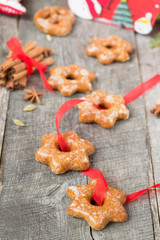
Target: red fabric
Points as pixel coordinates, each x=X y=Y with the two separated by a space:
x=8 y=10
x=141 y=89
x=15 y=46
x=92 y=9
x=138 y=9
x=104 y=3
x=59 y=115
x=101 y=186
x=135 y=195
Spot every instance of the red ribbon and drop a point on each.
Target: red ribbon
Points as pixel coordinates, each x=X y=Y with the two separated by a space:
x=15 y=46
x=141 y=89
x=104 y=3
x=59 y=115
x=135 y=195
x=101 y=186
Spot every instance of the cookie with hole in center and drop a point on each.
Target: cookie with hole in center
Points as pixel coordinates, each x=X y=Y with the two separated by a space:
x=60 y=162
x=71 y=79
x=54 y=20
x=110 y=49
x=98 y=217
x=113 y=108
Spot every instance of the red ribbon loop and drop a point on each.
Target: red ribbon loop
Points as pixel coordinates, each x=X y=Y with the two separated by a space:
x=59 y=115
x=101 y=186
x=15 y=46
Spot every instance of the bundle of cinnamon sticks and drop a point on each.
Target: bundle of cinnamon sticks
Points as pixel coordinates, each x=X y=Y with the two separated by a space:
x=13 y=72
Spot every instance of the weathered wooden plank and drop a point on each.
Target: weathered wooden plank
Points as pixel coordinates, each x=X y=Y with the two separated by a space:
x=33 y=196
x=34 y=201
x=149 y=60
x=6 y=33
x=121 y=152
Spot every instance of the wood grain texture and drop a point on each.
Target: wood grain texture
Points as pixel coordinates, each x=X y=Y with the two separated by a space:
x=33 y=203
x=6 y=33
x=148 y=59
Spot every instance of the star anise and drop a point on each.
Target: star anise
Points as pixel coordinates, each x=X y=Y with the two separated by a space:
x=33 y=95
x=156 y=110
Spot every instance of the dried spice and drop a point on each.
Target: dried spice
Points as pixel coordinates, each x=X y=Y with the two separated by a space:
x=33 y=95
x=28 y=108
x=49 y=38
x=18 y=122
x=13 y=72
x=156 y=110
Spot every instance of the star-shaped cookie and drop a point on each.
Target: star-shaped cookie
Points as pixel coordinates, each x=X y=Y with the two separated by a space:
x=113 y=108
x=71 y=79
x=61 y=162
x=97 y=217
x=109 y=49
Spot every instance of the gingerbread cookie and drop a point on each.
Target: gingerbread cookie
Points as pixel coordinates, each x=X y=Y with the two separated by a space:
x=71 y=79
x=109 y=49
x=97 y=217
x=54 y=20
x=113 y=108
x=61 y=162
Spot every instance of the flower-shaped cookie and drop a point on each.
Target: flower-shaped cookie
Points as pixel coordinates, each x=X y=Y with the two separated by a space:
x=61 y=162
x=71 y=79
x=113 y=108
x=109 y=49
x=54 y=20
x=97 y=217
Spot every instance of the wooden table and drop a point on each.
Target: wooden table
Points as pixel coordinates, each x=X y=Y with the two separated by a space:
x=33 y=200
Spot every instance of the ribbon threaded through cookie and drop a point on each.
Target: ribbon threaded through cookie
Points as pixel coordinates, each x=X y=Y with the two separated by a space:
x=15 y=46
x=101 y=186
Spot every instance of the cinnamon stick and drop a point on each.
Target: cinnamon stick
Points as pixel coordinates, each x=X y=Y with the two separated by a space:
x=20 y=83
x=29 y=46
x=10 y=85
x=32 y=53
x=10 y=53
x=11 y=62
x=22 y=66
x=3 y=82
x=23 y=82
x=48 y=61
x=13 y=72
x=2 y=75
x=48 y=52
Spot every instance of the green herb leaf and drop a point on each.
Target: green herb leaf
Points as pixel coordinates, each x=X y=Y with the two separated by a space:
x=155 y=42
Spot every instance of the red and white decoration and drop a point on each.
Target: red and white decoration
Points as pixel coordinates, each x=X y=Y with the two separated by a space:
x=143 y=25
x=12 y=7
x=143 y=13
x=87 y=9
